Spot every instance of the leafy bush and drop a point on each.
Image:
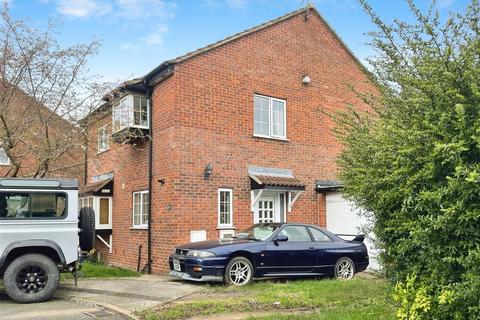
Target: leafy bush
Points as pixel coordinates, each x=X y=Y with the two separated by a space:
x=413 y=160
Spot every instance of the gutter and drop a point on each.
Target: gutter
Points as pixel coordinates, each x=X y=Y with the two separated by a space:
x=148 y=93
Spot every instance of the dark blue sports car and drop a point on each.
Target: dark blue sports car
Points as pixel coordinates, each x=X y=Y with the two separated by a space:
x=270 y=250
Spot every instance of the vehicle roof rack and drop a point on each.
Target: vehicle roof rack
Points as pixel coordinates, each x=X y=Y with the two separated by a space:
x=31 y=183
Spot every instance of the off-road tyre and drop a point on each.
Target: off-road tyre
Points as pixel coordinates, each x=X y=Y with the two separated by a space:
x=86 y=224
x=40 y=273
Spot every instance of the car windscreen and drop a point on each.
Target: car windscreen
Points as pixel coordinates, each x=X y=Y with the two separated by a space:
x=258 y=232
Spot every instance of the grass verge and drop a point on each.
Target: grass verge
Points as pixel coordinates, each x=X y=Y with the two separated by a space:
x=99 y=270
x=315 y=299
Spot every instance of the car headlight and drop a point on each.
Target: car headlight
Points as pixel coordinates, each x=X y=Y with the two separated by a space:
x=200 y=254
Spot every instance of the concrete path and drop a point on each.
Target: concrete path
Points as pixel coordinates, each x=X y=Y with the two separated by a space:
x=127 y=295
x=55 y=309
x=100 y=298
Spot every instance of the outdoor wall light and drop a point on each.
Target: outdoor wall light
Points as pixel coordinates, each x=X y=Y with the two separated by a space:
x=208 y=171
x=161 y=181
x=306 y=80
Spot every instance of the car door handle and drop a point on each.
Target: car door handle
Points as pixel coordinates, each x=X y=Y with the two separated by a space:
x=311 y=248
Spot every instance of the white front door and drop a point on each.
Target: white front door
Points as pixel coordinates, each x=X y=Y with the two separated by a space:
x=271 y=208
x=266 y=209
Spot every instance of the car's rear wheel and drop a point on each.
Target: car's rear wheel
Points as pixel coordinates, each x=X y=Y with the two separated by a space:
x=239 y=272
x=31 y=278
x=344 y=268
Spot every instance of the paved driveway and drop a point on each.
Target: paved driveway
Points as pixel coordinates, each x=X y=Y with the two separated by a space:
x=105 y=299
x=56 y=309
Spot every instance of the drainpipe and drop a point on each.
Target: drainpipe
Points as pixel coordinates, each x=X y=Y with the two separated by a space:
x=150 y=174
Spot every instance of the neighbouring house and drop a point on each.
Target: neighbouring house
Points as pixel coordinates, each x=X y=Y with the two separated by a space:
x=41 y=142
x=228 y=135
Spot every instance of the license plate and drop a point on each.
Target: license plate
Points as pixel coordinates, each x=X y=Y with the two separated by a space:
x=176 y=265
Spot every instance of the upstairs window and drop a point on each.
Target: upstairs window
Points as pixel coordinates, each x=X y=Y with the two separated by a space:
x=102 y=138
x=4 y=159
x=269 y=117
x=130 y=112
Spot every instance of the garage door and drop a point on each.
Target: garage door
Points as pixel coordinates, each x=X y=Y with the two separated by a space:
x=343 y=218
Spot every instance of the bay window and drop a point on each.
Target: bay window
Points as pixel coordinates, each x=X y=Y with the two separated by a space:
x=130 y=112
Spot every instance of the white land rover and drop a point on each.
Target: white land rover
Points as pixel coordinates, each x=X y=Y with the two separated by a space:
x=41 y=235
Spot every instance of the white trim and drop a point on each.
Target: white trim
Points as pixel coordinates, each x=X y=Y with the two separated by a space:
x=105 y=136
x=107 y=244
x=129 y=99
x=270 y=118
x=255 y=198
x=142 y=195
x=96 y=206
x=223 y=225
x=8 y=162
x=292 y=201
x=223 y=232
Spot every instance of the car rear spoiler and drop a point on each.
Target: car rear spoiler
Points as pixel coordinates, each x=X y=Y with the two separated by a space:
x=357 y=237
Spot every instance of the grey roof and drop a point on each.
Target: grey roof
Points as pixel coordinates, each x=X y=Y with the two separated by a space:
x=323 y=185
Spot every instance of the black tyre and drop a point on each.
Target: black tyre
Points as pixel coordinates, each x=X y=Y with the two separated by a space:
x=86 y=223
x=344 y=268
x=239 y=272
x=31 y=278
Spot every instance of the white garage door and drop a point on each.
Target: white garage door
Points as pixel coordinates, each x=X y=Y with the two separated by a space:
x=343 y=218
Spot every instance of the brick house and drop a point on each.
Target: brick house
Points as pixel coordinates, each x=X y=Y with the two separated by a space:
x=218 y=139
x=22 y=114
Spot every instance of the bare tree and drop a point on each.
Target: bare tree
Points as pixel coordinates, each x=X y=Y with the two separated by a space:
x=44 y=89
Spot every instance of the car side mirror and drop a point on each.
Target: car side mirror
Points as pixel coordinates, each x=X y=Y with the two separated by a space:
x=281 y=238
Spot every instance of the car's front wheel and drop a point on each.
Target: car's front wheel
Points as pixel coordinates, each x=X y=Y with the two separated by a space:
x=344 y=268
x=31 y=278
x=239 y=272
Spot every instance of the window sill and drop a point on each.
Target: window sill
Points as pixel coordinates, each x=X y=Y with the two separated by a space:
x=102 y=151
x=270 y=138
x=139 y=228
x=4 y=164
x=226 y=228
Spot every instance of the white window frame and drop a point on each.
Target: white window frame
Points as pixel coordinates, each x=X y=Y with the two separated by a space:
x=229 y=225
x=128 y=99
x=270 y=118
x=102 y=138
x=142 y=195
x=8 y=162
x=224 y=232
x=96 y=208
x=85 y=200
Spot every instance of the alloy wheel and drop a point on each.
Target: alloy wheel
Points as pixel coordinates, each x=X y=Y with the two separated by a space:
x=240 y=273
x=31 y=279
x=345 y=269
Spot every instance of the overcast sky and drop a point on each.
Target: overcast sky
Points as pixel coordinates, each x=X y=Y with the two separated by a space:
x=137 y=35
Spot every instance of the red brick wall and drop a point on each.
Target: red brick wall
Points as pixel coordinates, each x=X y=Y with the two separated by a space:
x=213 y=116
x=204 y=114
x=129 y=164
